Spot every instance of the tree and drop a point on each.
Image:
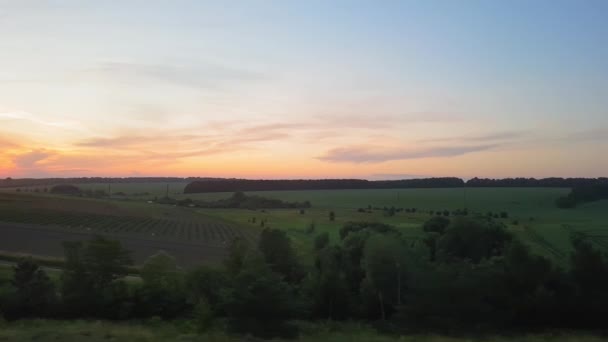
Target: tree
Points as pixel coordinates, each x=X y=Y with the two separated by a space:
x=327 y=287
x=204 y=284
x=106 y=260
x=332 y=216
x=278 y=253
x=384 y=263
x=237 y=252
x=473 y=240
x=436 y=224
x=162 y=292
x=89 y=282
x=160 y=270
x=259 y=302
x=35 y=293
x=321 y=241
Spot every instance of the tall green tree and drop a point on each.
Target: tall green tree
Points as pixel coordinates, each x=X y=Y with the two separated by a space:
x=384 y=262
x=34 y=291
x=278 y=253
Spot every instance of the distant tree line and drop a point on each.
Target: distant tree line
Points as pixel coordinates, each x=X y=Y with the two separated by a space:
x=22 y=182
x=583 y=194
x=534 y=183
x=231 y=185
x=465 y=275
x=207 y=184
x=238 y=200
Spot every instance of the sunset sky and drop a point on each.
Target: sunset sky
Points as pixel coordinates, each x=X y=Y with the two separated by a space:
x=304 y=89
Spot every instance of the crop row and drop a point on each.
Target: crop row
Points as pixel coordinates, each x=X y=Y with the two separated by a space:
x=152 y=227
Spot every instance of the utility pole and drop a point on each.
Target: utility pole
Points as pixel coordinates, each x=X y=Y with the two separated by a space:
x=464 y=194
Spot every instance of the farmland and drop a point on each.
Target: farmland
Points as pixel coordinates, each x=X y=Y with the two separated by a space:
x=531 y=214
x=38 y=224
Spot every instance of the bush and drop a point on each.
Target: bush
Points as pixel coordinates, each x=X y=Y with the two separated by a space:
x=437 y=224
x=203 y=314
x=65 y=189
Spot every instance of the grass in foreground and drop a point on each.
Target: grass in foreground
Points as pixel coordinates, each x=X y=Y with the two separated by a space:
x=92 y=331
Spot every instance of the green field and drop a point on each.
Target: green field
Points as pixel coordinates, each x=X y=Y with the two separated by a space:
x=153 y=331
x=532 y=213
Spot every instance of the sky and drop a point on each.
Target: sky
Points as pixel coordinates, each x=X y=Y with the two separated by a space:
x=304 y=89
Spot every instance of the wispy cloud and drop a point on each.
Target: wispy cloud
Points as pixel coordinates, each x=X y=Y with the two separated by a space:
x=201 y=76
x=31 y=159
x=497 y=136
x=26 y=116
x=596 y=134
x=377 y=154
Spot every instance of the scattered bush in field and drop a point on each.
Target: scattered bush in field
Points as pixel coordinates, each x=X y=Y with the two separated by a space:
x=361 y=210
x=515 y=222
x=302 y=212
x=431 y=212
x=436 y=224
x=332 y=216
x=446 y=213
x=311 y=228
x=65 y=189
x=354 y=227
x=243 y=201
x=504 y=214
x=390 y=211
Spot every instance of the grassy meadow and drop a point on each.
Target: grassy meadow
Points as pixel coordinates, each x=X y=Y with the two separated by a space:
x=157 y=331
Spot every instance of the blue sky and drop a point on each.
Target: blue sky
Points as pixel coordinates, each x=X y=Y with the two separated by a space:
x=358 y=88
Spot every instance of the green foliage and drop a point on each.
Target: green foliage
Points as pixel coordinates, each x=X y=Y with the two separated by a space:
x=237 y=252
x=89 y=281
x=436 y=224
x=160 y=270
x=204 y=284
x=327 y=287
x=384 y=263
x=321 y=241
x=163 y=291
x=259 y=302
x=203 y=314
x=278 y=253
x=34 y=293
x=352 y=227
x=474 y=240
